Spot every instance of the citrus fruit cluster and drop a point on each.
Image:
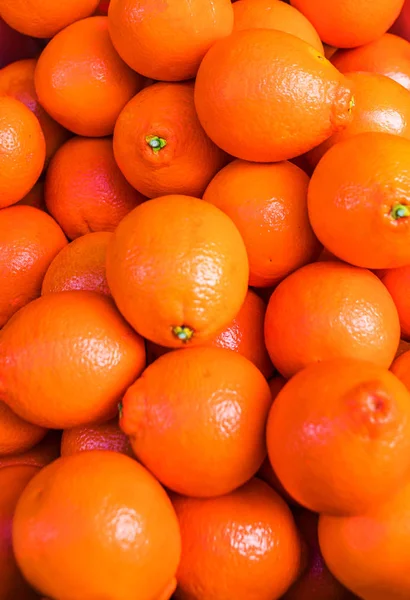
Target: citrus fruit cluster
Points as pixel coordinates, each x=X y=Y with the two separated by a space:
x=204 y=300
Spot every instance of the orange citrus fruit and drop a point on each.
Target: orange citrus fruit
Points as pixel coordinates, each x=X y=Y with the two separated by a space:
x=275 y=14
x=350 y=23
x=44 y=19
x=388 y=55
x=104 y=436
x=97 y=524
x=17 y=435
x=381 y=104
x=265 y=95
x=268 y=204
x=167 y=41
x=29 y=240
x=205 y=409
x=338 y=436
x=80 y=266
x=160 y=145
x=369 y=553
x=22 y=150
x=178 y=270
x=17 y=81
x=245 y=335
x=67 y=358
x=370 y=200
x=329 y=303
x=85 y=190
x=243 y=545
x=81 y=81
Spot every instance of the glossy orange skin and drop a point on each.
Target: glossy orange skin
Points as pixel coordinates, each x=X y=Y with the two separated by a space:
x=193 y=406
x=44 y=19
x=388 y=55
x=106 y=436
x=336 y=311
x=316 y=581
x=350 y=23
x=67 y=358
x=362 y=200
x=397 y=282
x=338 y=436
x=17 y=81
x=167 y=40
x=245 y=335
x=13 y=480
x=268 y=204
x=244 y=545
x=29 y=240
x=188 y=161
x=17 y=435
x=35 y=197
x=22 y=150
x=177 y=261
x=80 y=266
x=85 y=190
x=265 y=96
x=275 y=14
x=41 y=455
x=381 y=104
x=96 y=524
x=369 y=553
x=81 y=81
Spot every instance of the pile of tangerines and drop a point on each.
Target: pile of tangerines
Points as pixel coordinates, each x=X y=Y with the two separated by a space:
x=204 y=300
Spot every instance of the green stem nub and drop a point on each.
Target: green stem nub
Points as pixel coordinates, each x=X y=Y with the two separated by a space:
x=120 y=408
x=183 y=332
x=400 y=211
x=155 y=142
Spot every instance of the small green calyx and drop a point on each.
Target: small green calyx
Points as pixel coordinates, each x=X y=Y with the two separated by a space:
x=183 y=332
x=156 y=143
x=400 y=211
x=120 y=409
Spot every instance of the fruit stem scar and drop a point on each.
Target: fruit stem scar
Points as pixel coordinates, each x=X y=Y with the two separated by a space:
x=155 y=142
x=352 y=104
x=183 y=332
x=120 y=408
x=399 y=211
